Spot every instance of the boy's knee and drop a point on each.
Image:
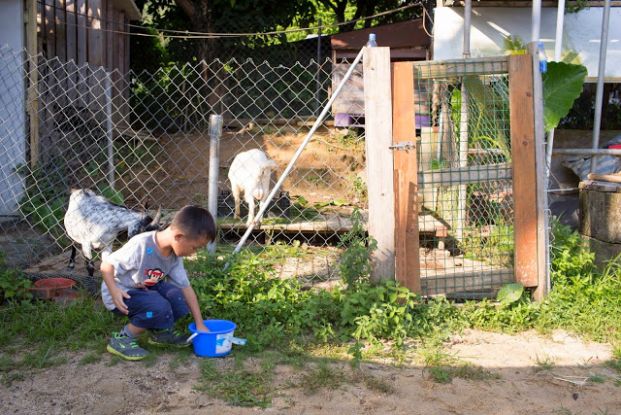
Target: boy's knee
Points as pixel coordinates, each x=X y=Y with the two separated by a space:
x=157 y=316
x=177 y=302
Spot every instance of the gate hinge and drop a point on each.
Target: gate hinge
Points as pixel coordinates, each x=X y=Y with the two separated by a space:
x=404 y=145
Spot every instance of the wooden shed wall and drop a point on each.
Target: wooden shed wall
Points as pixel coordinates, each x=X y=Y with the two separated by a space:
x=81 y=30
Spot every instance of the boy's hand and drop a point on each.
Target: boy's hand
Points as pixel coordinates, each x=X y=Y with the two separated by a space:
x=117 y=297
x=200 y=326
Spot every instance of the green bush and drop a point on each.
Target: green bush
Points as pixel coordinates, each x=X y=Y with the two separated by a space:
x=13 y=284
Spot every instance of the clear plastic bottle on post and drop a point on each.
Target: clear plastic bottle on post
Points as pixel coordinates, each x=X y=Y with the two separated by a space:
x=543 y=59
x=371 y=43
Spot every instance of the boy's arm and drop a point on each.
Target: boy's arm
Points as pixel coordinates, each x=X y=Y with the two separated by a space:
x=192 y=301
x=107 y=271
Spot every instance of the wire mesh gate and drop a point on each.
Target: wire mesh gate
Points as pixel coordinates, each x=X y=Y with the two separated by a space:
x=464 y=196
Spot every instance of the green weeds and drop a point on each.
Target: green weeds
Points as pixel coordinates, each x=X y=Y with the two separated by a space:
x=307 y=329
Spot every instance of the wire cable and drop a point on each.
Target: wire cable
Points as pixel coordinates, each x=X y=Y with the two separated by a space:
x=184 y=34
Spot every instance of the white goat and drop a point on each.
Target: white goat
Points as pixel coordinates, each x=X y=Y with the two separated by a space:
x=94 y=222
x=250 y=173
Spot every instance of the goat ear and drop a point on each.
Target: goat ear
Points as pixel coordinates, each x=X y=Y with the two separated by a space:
x=272 y=165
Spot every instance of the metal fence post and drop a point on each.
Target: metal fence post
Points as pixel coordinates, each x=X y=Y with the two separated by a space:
x=215 y=132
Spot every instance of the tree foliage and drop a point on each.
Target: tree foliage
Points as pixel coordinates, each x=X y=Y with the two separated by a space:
x=251 y=16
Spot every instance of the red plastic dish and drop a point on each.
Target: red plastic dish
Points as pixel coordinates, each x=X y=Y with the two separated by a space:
x=49 y=288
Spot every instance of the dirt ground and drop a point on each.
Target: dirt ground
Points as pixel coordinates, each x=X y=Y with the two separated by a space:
x=324 y=172
x=521 y=387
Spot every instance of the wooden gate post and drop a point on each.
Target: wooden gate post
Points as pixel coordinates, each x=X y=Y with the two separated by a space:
x=406 y=177
x=528 y=186
x=378 y=135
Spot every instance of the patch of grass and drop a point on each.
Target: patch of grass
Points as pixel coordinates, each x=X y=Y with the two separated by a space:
x=6 y=363
x=237 y=386
x=443 y=367
x=615 y=362
x=43 y=357
x=114 y=360
x=8 y=378
x=562 y=411
x=374 y=383
x=90 y=358
x=181 y=358
x=597 y=378
x=151 y=359
x=440 y=374
x=321 y=376
x=472 y=372
x=544 y=363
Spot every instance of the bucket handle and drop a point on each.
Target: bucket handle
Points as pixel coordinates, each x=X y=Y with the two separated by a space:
x=235 y=340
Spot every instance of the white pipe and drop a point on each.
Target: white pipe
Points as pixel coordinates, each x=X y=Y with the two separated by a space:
x=536 y=21
x=560 y=21
x=215 y=132
x=558 y=47
x=601 y=71
x=297 y=154
x=588 y=151
x=467 y=27
x=463 y=127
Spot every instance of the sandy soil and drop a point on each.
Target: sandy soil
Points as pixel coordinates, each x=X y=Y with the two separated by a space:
x=325 y=171
x=134 y=388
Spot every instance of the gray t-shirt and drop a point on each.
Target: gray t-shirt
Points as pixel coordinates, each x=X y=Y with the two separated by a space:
x=140 y=260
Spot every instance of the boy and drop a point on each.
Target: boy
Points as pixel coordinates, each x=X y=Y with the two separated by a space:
x=134 y=282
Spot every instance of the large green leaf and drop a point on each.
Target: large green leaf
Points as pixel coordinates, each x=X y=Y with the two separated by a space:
x=562 y=84
x=510 y=293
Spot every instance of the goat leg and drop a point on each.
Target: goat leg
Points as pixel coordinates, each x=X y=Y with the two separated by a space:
x=237 y=198
x=90 y=267
x=71 y=264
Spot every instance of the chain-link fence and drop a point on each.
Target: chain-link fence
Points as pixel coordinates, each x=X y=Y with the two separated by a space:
x=142 y=141
x=465 y=184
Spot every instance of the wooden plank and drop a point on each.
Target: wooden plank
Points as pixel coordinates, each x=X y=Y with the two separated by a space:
x=61 y=38
x=351 y=98
x=81 y=32
x=109 y=24
x=71 y=33
x=466 y=175
x=71 y=30
x=459 y=67
x=33 y=78
x=95 y=35
x=50 y=29
x=126 y=44
x=542 y=258
x=407 y=264
x=524 y=169
x=378 y=133
x=40 y=26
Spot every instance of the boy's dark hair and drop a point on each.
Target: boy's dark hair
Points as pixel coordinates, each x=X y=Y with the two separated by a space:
x=195 y=222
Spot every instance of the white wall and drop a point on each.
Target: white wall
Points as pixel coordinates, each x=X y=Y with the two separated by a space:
x=490 y=25
x=12 y=105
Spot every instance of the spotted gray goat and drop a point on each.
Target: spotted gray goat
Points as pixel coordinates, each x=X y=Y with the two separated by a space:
x=94 y=222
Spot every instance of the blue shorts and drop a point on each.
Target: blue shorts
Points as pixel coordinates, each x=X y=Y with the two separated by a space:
x=156 y=307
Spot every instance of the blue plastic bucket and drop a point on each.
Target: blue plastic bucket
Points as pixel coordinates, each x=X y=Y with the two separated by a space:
x=218 y=342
